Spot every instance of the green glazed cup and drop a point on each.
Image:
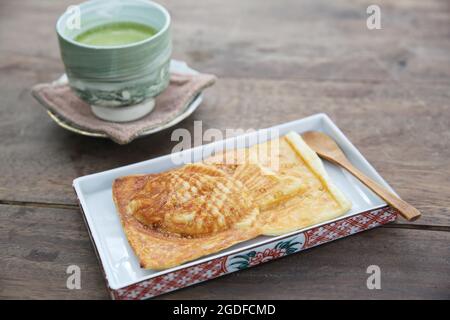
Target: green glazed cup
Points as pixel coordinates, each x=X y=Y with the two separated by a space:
x=119 y=82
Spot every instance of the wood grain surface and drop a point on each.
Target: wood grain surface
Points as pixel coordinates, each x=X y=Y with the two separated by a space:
x=277 y=61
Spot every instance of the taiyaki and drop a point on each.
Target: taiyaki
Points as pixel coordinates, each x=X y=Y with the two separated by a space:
x=180 y=215
x=183 y=214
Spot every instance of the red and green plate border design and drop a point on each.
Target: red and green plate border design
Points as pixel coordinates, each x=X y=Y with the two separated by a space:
x=256 y=255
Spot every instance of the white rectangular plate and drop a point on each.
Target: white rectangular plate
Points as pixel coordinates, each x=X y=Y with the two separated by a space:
x=119 y=262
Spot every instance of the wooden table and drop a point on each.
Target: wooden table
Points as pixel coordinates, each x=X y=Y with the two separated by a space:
x=387 y=89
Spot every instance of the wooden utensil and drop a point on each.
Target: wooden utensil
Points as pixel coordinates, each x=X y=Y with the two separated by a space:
x=327 y=148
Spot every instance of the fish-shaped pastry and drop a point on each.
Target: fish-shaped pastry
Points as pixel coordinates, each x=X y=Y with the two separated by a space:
x=180 y=215
x=183 y=214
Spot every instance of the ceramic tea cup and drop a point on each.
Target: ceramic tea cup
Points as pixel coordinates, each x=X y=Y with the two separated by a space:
x=118 y=81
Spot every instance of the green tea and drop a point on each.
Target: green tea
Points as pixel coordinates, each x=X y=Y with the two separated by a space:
x=116 y=33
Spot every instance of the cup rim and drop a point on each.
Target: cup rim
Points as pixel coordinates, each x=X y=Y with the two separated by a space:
x=150 y=39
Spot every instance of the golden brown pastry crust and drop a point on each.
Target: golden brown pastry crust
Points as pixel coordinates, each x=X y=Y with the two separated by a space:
x=180 y=215
x=321 y=201
x=158 y=250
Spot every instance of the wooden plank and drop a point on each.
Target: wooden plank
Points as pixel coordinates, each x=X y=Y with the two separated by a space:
x=404 y=134
x=38 y=244
x=310 y=39
x=314 y=39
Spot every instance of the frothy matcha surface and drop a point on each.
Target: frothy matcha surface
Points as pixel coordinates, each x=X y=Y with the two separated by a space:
x=116 y=33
